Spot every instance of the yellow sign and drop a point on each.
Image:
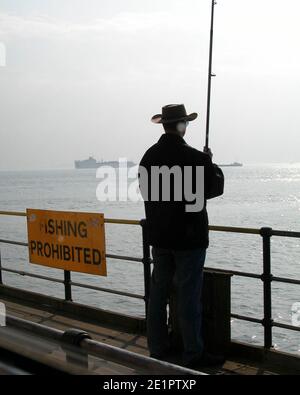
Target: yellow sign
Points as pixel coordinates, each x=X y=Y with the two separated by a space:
x=67 y=240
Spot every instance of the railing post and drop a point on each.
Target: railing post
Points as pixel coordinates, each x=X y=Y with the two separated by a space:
x=0 y=270
x=267 y=278
x=68 y=287
x=146 y=263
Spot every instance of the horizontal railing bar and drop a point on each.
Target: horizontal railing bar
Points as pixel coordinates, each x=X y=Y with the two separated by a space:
x=286 y=326
x=17 y=243
x=215 y=228
x=127 y=358
x=13 y=213
x=274 y=232
x=286 y=280
x=235 y=273
x=232 y=229
x=245 y=318
x=104 y=351
x=107 y=220
x=28 y=274
x=38 y=329
x=124 y=258
x=283 y=233
x=274 y=323
x=121 y=221
x=112 y=291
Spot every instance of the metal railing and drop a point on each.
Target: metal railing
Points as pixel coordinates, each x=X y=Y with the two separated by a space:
x=78 y=345
x=266 y=276
x=67 y=281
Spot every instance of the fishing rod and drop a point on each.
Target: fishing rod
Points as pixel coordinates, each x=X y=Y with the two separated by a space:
x=210 y=75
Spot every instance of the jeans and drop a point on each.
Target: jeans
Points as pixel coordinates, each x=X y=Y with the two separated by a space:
x=184 y=269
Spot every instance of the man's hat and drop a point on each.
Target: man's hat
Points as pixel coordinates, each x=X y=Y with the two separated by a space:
x=173 y=113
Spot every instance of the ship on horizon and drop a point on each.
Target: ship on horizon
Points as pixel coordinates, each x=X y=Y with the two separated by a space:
x=234 y=164
x=92 y=163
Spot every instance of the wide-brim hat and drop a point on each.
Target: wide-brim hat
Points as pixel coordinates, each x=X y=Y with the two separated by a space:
x=173 y=113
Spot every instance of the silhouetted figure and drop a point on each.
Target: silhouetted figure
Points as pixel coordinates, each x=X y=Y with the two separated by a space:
x=179 y=238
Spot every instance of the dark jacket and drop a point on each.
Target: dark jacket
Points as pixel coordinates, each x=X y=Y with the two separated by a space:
x=168 y=223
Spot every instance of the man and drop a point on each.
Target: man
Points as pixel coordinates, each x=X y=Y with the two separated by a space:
x=179 y=237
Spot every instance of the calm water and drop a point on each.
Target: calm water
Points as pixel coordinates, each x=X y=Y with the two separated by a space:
x=255 y=196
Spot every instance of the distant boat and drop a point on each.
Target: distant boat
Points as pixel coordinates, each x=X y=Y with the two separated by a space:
x=91 y=163
x=234 y=164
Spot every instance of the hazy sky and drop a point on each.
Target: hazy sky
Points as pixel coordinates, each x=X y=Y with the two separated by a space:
x=84 y=78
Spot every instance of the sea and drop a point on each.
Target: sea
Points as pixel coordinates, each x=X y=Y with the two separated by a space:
x=255 y=196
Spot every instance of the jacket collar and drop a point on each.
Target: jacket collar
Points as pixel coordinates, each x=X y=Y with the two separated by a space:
x=171 y=138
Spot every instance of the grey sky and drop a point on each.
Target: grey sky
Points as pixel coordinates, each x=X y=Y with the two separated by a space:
x=84 y=78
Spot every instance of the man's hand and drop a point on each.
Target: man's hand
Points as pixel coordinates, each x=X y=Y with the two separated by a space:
x=208 y=152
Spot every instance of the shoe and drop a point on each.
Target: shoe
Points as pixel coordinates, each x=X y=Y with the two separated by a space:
x=206 y=360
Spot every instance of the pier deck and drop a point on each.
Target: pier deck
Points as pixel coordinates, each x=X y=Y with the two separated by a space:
x=112 y=336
